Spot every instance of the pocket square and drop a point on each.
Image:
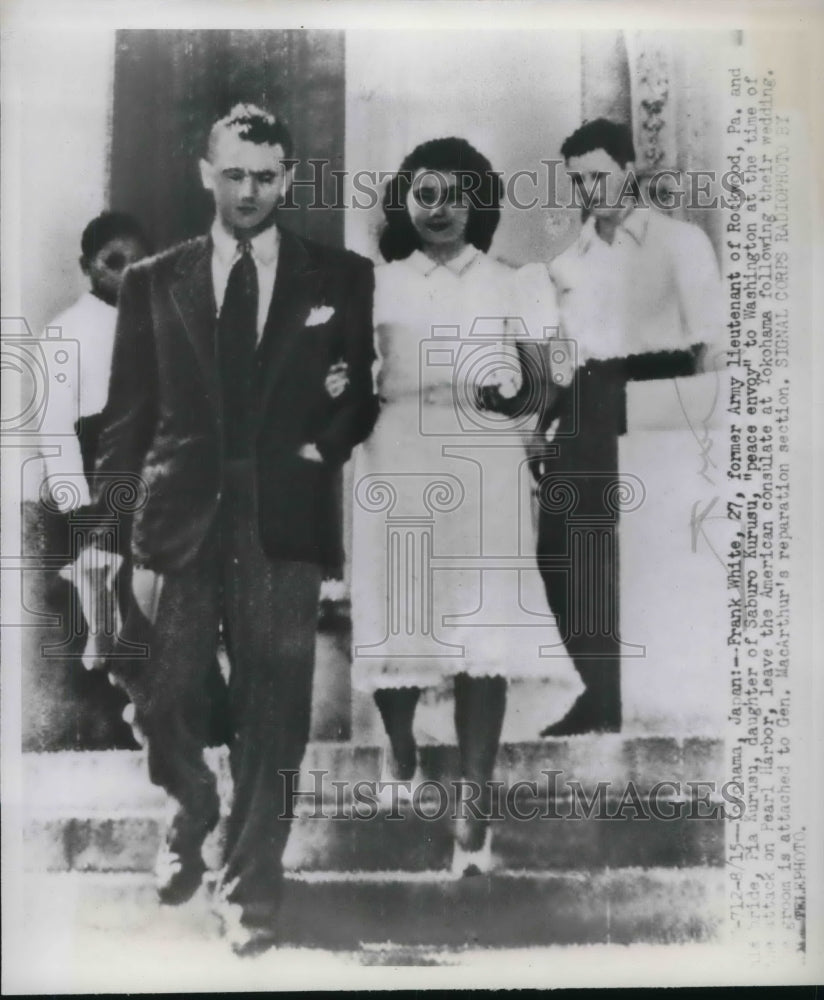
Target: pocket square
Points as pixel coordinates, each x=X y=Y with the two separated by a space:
x=319 y=314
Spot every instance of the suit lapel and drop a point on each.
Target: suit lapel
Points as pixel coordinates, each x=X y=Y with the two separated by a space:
x=194 y=297
x=292 y=298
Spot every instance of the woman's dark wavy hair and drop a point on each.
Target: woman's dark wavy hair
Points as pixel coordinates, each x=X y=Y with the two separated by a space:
x=483 y=186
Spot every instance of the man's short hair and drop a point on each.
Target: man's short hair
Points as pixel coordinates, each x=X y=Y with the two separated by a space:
x=253 y=124
x=614 y=138
x=106 y=227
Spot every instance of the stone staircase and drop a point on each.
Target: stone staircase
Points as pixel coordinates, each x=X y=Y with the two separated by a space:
x=93 y=820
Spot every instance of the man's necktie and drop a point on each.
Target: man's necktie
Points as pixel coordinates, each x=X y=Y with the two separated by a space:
x=237 y=339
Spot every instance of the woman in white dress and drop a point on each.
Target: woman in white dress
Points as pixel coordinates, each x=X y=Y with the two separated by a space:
x=445 y=584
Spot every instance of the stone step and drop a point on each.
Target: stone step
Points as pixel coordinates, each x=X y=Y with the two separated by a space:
x=353 y=910
x=97 y=811
x=79 y=782
x=130 y=843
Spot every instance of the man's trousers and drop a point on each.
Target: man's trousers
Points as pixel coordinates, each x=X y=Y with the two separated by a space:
x=580 y=495
x=268 y=613
x=578 y=522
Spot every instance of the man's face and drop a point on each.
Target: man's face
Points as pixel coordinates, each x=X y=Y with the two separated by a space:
x=438 y=209
x=106 y=268
x=247 y=180
x=601 y=182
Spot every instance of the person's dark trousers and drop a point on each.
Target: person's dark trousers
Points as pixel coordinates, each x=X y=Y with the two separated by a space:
x=217 y=727
x=578 y=523
x=579 y=501
x=66 y=706
x=269 y=613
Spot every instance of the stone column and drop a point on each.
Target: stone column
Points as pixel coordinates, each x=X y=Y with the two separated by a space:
x=605 y=81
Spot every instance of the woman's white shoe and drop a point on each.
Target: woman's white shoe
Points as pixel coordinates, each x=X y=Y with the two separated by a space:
x=466 y=863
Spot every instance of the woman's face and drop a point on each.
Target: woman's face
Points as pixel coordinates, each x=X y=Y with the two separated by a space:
x=439 y=210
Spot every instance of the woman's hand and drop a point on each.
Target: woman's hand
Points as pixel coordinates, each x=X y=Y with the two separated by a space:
x=487 y=397
x=496 y=399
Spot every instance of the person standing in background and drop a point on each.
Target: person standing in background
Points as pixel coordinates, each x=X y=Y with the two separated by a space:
x=75 y=707
x=110 y=243
x=640 y=294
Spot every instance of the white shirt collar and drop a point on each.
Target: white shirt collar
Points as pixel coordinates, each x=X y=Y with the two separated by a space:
x=90 y=301
x=635 y=222
x=457 y=265
x=264 y=246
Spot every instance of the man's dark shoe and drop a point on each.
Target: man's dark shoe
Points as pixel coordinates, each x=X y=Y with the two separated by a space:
x=248 y=933
x=585 y=716
x=252 y=941
x=250 y=928
x=179 y=868
x=178 y=876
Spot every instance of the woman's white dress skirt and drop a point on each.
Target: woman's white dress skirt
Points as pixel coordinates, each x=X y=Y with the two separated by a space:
x=444 y=574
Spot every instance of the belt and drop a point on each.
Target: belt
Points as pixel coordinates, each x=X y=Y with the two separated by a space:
x=442 y=394
x=647 y=365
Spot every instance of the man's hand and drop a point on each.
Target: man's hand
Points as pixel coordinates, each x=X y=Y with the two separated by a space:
x=337 y=379
x=310 y=453
x=93 y=575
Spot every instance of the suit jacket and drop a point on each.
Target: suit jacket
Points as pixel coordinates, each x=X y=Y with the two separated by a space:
x=163 y=418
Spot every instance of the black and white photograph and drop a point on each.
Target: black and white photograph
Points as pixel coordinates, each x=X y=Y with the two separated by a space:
x=412 y=496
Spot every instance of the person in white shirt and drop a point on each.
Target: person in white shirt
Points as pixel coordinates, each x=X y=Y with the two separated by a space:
x=109 y=244
x=69 y=707
x=639 y=292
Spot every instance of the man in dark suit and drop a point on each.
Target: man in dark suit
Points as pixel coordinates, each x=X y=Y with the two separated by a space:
x=218 y=400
